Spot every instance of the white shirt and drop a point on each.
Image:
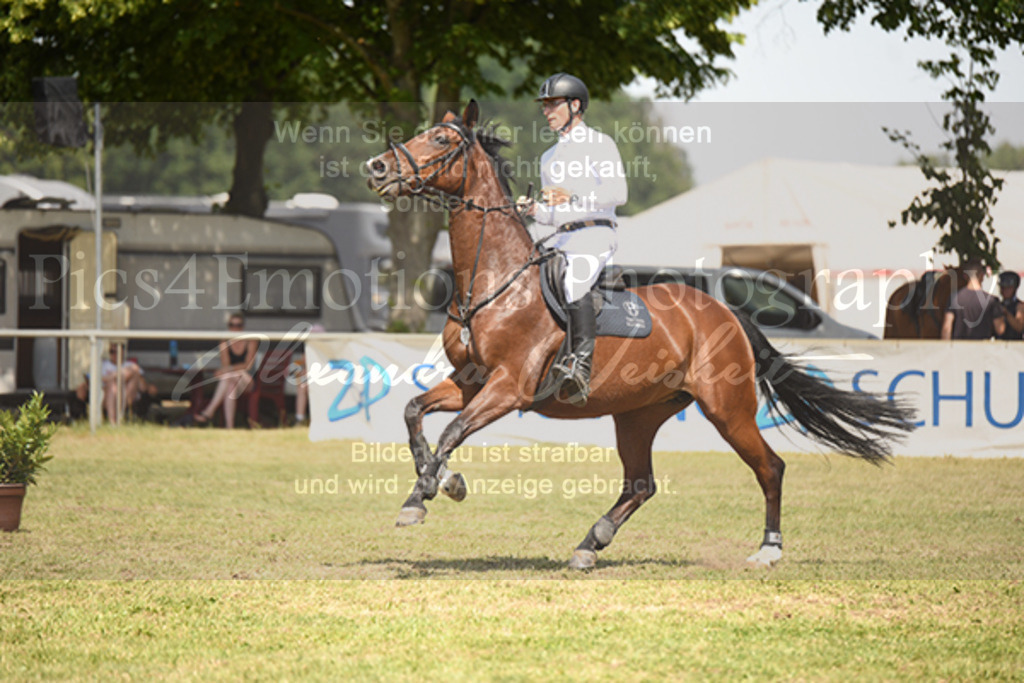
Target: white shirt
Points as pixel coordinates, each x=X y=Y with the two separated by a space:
x=109 y=369
x=587 y=164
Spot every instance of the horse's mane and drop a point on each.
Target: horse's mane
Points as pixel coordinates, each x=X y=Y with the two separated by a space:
x=493 y=144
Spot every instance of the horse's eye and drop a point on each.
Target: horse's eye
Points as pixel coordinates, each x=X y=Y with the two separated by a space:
x=442 y=140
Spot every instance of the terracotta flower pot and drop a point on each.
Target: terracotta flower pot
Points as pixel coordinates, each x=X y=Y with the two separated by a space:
x=11 y=498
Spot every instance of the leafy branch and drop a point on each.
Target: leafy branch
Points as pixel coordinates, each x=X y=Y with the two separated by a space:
x=959 y=202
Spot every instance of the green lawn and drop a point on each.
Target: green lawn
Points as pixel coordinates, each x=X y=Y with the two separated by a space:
x=900 y=572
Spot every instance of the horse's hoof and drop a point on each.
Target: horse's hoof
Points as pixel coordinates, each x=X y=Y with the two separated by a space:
x=454 y=486
x=767 y=556
x=410 y=516
x=583 y=559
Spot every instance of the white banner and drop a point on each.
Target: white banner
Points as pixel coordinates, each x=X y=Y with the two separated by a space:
x=969 y=397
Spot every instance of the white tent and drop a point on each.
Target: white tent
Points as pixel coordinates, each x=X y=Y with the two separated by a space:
x=840 y=211
x=828 y=221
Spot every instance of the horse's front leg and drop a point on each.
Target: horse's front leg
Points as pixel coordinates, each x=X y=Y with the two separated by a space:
x=447 y=396
x=497 y=398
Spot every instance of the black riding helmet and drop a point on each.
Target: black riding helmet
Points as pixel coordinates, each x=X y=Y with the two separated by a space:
x=567 y=86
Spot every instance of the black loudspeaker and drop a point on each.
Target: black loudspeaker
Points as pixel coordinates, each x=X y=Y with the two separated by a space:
x=60 y=119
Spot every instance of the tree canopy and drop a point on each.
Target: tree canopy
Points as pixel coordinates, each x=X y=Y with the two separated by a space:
x=284 y=51
x=323 y=154
x=400 y=61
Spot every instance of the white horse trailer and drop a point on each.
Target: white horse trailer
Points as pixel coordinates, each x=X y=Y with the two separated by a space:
x=176 y=264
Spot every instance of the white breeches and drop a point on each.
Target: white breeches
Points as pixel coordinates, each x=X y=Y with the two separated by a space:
x=587 y=252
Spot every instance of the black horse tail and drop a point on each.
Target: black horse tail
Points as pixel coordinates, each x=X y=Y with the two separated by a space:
x=858 y=424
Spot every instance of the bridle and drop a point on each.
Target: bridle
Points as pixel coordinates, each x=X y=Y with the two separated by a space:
x=419 y=184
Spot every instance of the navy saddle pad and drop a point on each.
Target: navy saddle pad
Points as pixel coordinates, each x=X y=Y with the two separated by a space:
x=620 y=312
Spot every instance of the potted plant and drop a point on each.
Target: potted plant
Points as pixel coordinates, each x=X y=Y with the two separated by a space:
x=24 y=446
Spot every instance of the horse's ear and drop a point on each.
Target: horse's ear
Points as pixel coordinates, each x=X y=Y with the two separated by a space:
x=471 y=115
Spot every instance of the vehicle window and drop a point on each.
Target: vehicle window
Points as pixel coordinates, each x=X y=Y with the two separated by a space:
x=282 y=290
x=697 y=282
x=765 y=302
x=692 y=279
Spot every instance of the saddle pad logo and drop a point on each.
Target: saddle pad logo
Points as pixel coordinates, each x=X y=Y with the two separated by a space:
x=633 y=317
x=622 y=313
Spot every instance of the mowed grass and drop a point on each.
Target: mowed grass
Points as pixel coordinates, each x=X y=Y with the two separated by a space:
x=889 y=573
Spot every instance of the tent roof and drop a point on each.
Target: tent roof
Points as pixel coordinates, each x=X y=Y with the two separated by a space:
x=841 y=209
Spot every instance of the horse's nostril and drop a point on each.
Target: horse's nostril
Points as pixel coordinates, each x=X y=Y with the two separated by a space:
x=378 y=168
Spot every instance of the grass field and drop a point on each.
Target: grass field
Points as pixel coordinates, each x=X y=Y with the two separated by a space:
x=900 y=572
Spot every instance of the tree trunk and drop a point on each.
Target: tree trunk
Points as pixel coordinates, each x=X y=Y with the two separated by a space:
x=447 y=100
x=414 y=224
x=413 y=232
x=253 y=127
x=412 y=228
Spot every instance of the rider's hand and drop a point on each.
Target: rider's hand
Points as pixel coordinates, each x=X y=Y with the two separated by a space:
x=553 y=196
x=525 y=206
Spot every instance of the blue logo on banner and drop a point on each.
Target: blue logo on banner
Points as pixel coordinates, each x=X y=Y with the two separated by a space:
x=371 y=369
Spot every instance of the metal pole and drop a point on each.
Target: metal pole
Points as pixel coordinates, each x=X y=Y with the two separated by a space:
x=120 y=384
x=95 y=381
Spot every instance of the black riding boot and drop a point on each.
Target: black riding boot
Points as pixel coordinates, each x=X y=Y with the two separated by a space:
x=575 y=385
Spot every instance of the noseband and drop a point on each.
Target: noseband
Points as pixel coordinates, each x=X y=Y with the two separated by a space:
x=419 y=183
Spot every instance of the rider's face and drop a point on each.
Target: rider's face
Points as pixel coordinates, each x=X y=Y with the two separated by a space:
x=556 y=111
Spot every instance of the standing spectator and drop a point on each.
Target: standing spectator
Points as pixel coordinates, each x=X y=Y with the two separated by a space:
x=301 y=395
x=302 y=383
x=236 y=361
x=975 y=313
x=1013 y=308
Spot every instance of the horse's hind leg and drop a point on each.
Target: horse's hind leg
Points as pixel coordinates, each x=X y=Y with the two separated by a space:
x=634 y=434
x=735 y=419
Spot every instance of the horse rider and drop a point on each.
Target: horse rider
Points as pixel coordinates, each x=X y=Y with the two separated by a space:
x=1013 y=308
x=582 y=180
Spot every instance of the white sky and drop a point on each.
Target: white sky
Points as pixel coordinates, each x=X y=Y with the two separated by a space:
x=799 y=94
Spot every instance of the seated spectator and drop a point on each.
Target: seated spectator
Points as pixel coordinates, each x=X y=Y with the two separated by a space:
x=133 y=385
x=233 y=377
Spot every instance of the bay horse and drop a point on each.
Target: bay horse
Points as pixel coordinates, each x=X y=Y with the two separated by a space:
x=501 y=340
x=916 y=309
